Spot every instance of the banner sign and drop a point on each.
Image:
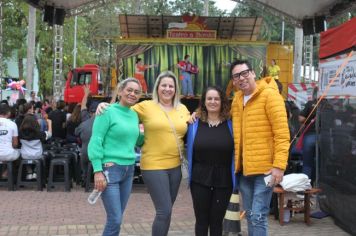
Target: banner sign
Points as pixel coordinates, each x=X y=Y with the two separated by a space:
x=191 y=34
x=300 y=93
x=345 y=83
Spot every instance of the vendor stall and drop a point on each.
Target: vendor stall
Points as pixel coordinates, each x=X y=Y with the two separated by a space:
x=337 y=116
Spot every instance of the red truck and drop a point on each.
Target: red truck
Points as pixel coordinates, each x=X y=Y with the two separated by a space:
x=78 y=77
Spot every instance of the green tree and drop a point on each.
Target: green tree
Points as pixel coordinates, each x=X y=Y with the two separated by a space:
x=15 y=31
x=271 y=27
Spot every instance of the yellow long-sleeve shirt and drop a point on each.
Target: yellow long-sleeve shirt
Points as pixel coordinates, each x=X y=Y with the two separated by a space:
x=160 y=150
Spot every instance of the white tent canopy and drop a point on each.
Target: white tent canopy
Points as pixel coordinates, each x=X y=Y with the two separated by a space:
x=295 y=10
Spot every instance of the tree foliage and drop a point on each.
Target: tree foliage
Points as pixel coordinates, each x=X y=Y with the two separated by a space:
x=15 y=31
x=271 y=26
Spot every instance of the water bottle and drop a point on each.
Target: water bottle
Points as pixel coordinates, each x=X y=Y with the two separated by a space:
x=93 y=197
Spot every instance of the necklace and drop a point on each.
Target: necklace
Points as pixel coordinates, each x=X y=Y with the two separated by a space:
x=214 y=123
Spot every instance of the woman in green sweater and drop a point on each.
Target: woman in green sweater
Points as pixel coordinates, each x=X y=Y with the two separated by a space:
x=111 y=152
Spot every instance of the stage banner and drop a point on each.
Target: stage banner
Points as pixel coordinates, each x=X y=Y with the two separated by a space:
x=345 y=84
x=191 y=34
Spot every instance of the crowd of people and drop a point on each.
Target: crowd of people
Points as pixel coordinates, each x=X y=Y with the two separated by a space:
x=26 y=125
x=228 y=146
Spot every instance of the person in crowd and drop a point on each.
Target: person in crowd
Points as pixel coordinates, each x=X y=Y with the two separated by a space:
x=140 y=73
x=274 y=69
x=84 y=132
x=84 y=113
x=261 y=138
x=185 y=67
x=72 y=123
x=33 y=97
x=39 y=114
x=37 y=109
x=31 y=138
x=210 y=152
x=23 y=110
x=58 y=118
x=69 y=108
x=8 y=137
x=111 y=151
x=309 y=135
x=165 y=122
x=46 y=104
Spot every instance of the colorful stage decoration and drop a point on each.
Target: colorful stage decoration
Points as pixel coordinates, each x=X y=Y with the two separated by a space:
x=192 y=27
x=16 y=85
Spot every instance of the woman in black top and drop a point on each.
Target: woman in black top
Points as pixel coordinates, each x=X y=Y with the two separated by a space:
x=72 y=123
x=210 y=150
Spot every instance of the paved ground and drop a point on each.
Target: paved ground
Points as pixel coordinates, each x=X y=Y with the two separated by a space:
x=28 y=212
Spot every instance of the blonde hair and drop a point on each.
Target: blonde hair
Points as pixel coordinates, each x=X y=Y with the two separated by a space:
x=169 y=74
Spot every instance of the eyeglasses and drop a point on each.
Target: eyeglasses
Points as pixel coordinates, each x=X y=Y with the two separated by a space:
x=243 y=73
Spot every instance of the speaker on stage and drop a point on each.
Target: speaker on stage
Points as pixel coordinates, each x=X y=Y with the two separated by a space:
x=308 y=26
x=319 y=24
x=53 y=15
x=59 y=16
x=48 y=14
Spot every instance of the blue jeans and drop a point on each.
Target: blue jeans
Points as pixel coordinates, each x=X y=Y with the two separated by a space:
x=309 y=154
x=256 y=199
x=187 y=87
x=116 y=195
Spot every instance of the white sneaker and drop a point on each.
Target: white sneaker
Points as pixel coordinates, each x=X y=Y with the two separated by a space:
x=28 y=176
x=34 y=176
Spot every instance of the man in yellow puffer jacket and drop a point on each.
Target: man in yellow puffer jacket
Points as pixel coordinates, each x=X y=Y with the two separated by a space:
x=261 y=137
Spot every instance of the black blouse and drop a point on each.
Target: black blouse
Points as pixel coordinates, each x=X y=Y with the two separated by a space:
x=212 y=155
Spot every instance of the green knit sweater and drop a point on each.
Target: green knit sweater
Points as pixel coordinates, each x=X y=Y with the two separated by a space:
x=115 y=134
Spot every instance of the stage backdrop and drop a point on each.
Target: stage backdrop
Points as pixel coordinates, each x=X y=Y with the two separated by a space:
x=212 y=60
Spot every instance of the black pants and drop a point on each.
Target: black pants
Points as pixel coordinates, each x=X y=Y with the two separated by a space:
x=209 y=208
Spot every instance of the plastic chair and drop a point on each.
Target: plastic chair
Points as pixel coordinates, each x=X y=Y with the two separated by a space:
x=10 y=181
x=21 y=181
x=54 y=177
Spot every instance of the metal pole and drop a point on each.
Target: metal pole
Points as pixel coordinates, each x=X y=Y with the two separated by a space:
x=282 y=32
x=298 y=53
x=31 y=44
x=206 y=7
x=75 y=42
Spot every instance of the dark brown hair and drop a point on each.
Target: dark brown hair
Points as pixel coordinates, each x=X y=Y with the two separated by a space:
x=29 y=127
x=75 y=116
x=202 y=112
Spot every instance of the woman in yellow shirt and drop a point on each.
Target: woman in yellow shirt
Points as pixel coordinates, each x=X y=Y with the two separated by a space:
x=165 y=123
x=274 y=70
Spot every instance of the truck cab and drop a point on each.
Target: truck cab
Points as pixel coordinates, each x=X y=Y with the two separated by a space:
x=77 y=78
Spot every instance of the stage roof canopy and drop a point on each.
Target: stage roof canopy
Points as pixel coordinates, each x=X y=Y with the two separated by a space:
x=295 y=9
x=298 y=10
x=237 y=28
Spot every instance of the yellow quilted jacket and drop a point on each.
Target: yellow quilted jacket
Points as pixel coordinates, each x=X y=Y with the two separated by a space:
x=261 y=132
